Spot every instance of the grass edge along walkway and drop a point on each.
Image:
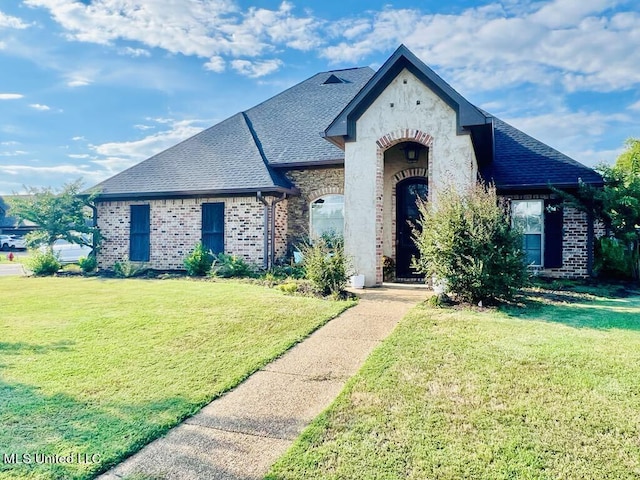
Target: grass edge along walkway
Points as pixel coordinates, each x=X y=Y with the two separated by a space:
x=95 y=366
x=551 y=391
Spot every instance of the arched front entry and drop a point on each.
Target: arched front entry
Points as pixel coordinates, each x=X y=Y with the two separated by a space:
x=408 y=193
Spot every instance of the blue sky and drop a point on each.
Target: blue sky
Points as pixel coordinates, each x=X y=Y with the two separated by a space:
x=89 y=88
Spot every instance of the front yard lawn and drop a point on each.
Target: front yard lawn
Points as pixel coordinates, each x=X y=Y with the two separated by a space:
x=551 y=391
x=101 y=367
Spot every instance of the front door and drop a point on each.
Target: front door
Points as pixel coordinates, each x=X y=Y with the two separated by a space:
x=408 y=193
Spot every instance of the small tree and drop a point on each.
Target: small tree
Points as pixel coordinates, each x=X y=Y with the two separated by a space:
x=466 y=241
x=60 y=215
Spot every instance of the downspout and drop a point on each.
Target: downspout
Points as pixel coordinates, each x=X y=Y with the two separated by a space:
x=273 y=226
x=265 y=247
x=590 y=235
x=94 y=210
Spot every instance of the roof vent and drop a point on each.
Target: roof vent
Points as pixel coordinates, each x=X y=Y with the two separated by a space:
x=333 y=79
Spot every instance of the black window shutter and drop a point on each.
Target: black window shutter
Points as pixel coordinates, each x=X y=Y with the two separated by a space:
x=140 y=228
x=213 y=227
x=553 y=223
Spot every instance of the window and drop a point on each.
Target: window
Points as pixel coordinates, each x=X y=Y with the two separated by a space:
x=139 y=229
x=213 y=227
x=327 y=215
x=527 y=215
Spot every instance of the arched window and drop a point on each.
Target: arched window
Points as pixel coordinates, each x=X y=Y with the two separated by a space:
x=327 y=215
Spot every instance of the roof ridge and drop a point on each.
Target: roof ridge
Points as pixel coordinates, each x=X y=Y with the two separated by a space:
x=258 y=144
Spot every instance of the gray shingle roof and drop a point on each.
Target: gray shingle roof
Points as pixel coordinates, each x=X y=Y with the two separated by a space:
x=243 y=153
x=290 y=125
x=522 y=161
x=220 y=159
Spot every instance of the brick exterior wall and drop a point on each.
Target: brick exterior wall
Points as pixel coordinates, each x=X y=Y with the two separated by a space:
x=176 y=228
x=312 y=183
x=574 y=241
x=282 y=228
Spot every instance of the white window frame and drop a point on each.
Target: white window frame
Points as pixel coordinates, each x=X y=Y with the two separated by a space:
x=312 y=232
x=541 y=233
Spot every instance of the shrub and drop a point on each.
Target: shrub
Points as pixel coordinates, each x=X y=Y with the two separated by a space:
x=326 y=265
x=466 y=240
x=88 y=264
x=612 y=259
x=43 y=263
x=228 y=266
x=198 y=262
x=127 y=269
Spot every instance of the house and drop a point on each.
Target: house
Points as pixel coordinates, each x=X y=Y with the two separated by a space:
x=345 y=150
x=10 y=225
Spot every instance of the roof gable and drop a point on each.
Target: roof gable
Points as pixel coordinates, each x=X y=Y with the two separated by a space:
x=343 y=127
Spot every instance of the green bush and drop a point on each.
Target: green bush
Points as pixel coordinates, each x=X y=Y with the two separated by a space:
x=43 y=263
x=198 y=262
x=287 y=271
x=612 y=259
x=88 y=264
x=127 y=269
x=466 y=240
x=325 y=264
x=232 y=266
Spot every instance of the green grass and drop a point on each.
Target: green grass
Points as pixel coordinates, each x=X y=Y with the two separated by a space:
x=95 y=366
x=544 y=392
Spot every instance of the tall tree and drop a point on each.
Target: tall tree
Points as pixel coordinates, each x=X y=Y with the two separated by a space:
x=629 y=160
x=60 y=215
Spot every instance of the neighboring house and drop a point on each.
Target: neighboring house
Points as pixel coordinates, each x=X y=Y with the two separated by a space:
x=11 y=225
x=349 y=151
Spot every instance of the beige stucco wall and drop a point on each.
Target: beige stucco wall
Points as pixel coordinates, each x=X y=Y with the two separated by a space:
x=415 y=107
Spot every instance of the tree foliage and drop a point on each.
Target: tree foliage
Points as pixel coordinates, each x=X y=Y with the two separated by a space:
x=629 y=160
x=60 y=215
x=466 y=241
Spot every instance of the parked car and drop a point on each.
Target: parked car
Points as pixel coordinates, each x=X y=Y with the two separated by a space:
x=67 y=252
x=12 y=242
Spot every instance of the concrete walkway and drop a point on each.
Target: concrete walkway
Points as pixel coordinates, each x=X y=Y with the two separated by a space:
x=239 y=435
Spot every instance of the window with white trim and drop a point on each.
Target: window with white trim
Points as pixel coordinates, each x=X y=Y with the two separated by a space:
x=327 y=215
x=528 y=217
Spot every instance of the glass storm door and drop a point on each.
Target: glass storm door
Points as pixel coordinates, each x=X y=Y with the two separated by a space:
x=408 y=193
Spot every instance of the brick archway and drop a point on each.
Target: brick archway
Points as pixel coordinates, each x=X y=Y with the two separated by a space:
x=383 y=144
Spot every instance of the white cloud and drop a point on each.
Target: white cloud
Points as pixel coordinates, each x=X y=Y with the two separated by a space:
x=135 y=52
x=191 y=27
x=79 y=155
x=255 y=69
x=10 y=96
x=78 y=139
x=579 y=45
x=39 y=106
x=144 y=127
x=78 y=80
x=7 y=21
x=215 y=64
x=78 y=170
x=635 y=106
x=116 y=156
x=15 y=153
